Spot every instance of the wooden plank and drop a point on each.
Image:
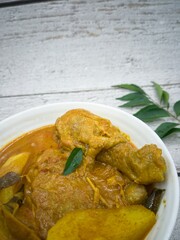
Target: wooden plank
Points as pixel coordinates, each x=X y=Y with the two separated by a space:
x=81 y=45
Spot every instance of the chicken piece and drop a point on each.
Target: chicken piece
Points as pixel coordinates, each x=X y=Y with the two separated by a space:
x=97 y=136
x=80 y=128
x=143 y=166
x=49 y=195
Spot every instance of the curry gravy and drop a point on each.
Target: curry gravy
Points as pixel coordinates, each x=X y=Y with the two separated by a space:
x=34 y=142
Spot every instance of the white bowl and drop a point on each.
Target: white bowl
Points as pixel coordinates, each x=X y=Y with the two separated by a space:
x=140 y=133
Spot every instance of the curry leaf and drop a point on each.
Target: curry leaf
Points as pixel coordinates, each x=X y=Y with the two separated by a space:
x=152 y=110
x=135 y=99
x=173 y=130
x=73 y=161
x=137 y=102
x=131 y=87
x=165 y=98
x=131 y=96
x=177 y=108
x=163 y=95
x=151 y=113
x=159 y=90
x=165 y=129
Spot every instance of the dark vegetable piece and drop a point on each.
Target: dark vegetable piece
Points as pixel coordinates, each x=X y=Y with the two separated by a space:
x=154 y=200
x=74 y=160
x=9 y=179
x=17 y=198
x=14 y=204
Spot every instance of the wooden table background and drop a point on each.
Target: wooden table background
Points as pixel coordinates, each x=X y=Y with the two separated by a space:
x=58 y=51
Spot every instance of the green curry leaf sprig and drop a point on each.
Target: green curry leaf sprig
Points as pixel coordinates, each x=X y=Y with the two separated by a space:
x=151 y=110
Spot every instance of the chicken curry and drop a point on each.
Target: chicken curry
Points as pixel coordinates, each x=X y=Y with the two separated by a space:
x=101 y=196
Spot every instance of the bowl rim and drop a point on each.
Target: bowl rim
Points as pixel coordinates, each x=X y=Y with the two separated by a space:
x=87 y=105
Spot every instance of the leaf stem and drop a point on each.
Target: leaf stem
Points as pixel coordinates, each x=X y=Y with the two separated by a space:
x=160 y=106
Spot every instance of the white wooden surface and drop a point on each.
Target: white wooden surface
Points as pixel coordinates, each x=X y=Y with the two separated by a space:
x=74 y=50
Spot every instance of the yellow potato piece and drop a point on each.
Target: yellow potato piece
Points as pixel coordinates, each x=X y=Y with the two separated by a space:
x=15 y=164
x=6 y=194
x=125 y=223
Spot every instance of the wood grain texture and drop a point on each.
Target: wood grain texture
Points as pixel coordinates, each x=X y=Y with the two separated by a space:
x=57 y=46
x=76 y=50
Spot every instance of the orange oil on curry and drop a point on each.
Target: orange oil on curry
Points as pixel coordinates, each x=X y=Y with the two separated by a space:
x=34 y=142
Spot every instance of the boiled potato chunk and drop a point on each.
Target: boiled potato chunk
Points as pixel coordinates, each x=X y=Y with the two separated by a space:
x=125 y=223
x=6 y=194
x=15 y=164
